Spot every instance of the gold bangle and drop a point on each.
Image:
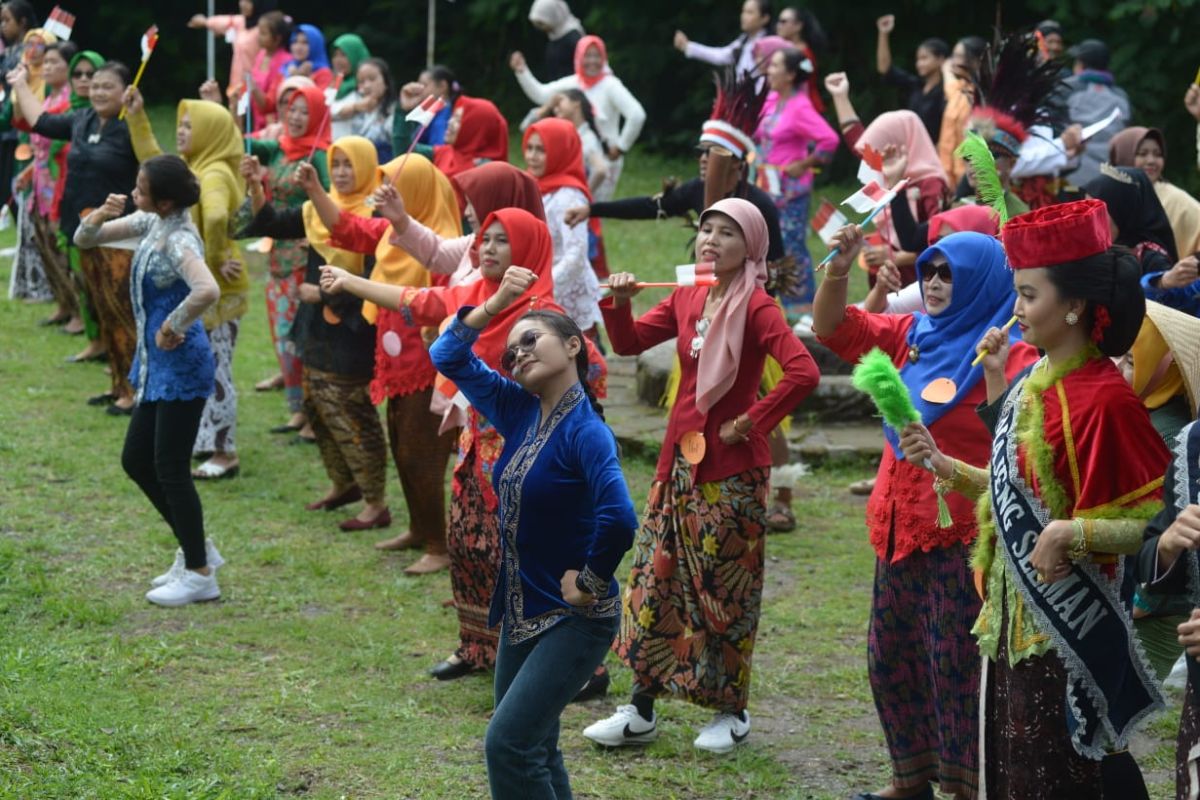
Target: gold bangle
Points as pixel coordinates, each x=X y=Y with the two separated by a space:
x=945 y=485
x=829 y=276
x=1081 y=542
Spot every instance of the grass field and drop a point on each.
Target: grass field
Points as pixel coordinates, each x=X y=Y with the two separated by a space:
x=308 y=678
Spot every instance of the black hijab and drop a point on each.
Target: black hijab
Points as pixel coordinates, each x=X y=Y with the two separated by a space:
x=1134 y=206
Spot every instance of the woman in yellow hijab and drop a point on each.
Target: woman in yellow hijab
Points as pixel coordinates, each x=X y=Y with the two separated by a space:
x=208 y=139
x=336 y=344
x=1163 y=366
x=403 y=372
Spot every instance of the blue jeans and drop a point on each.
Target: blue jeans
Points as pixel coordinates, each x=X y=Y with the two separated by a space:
x=535 y=680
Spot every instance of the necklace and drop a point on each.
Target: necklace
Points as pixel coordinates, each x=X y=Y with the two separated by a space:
x=698 y=339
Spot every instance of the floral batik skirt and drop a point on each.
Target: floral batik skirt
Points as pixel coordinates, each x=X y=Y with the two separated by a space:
x=693 y=600
x=473 y=541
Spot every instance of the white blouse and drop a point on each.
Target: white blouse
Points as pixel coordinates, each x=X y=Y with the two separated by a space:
x=575 y=286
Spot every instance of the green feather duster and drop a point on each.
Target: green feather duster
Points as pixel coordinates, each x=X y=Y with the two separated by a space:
x=878 y=377
x=988 y=189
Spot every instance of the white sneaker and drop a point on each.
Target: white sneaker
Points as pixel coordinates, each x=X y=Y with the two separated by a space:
x=624 y=727
x=213 y=557
x=724 y=733
x=190 y=587
x=1179 y=674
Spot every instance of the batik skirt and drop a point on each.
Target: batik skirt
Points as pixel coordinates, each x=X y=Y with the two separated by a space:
x=106 y=270
x=349 y=433
x=473 y=541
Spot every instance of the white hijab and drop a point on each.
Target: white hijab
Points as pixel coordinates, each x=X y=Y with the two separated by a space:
x=557 y=16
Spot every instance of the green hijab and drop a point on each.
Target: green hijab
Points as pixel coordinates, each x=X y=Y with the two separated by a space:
x=97 y=62
x=355 y=49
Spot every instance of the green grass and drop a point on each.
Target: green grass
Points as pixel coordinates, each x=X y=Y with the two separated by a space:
x=309 y=677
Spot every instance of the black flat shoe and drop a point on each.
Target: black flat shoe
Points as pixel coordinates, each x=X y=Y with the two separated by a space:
x=50 y=322
x=116 y=411
x=448 y=670
x=927 y=794
x=78 y=360
x=595 y=688
x=105 y=399
x=286 y=428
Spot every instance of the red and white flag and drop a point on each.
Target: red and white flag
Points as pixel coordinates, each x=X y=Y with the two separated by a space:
x=429 y=108
x=827 y=221
x=870 y=169
x=149 y=41
x=60 y=23
x=869 y=198
x=702 y=274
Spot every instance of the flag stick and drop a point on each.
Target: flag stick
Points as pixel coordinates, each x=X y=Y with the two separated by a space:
x=863 y=224
x=983 y=351
x=133 y=85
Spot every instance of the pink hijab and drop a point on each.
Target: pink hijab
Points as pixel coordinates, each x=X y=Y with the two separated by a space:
x=718 y=365
x=905 y=128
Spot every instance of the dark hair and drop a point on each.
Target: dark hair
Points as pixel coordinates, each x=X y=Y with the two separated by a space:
x=810 y=28
x=764 y=7
x=260 y=7
x=170 y=179
x=116 y=68
x=23 y=12
x=1049 y=26
x=564 y=328
x=589 y=116
x=66 y=49
x=793 y=62
x=1111 y=279
x=975 y=47
x=938 y=48
x=389 y=85
x=277 y=25
x=443 y=74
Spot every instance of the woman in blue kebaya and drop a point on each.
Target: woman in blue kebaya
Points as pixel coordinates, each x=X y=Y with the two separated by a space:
x=566 y=519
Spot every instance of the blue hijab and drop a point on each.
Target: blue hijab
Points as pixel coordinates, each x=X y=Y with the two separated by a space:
x=982 y=297
x=316 y=48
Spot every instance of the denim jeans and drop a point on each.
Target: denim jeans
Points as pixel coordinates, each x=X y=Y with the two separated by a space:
x=534 y=682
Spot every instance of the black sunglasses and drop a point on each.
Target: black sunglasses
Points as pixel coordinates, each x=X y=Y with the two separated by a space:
x=941 y=270
x=525 y=344
x=87 y=73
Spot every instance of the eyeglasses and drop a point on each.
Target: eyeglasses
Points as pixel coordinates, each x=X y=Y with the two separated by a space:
x=941 y=270
x=83 y=73
x=525 y=344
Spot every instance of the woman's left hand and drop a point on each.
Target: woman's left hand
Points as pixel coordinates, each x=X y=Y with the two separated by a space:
x=571 y=593
x=231 y=270
x=1189 y=633
x=796 y=169
x=613 y=152
x=1050 y=553
x=310 y=293
x=134 y=102
x=333 y=279
x=515 y=283
x=167 y=339
x=730 y=431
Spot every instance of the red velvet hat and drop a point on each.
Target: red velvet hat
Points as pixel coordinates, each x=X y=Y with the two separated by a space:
x=1057 y=234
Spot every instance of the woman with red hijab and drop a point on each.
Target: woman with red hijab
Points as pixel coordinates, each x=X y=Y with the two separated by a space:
x=554 y=156
x=474 y=534
x=610 y=100
x=476 y=133
x=305 y=139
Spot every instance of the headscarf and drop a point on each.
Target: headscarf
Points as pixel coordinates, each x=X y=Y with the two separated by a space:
x=316 y=48
x=980 y=219
x=767 y=46
x=291 y=83
x=717 y=368
x=365 y=162
x=96 y=61
x=429 y=199
x=1150 y=350
x=555 y=15
x=37 y=83
x=316 y=136
x=564 y=156
x=982 y=297
x=1122 y=148
x=496 y=185
x=356 y=52
x=588 y=81
x=482 y=133
x=1134 y=206
x=903 y=128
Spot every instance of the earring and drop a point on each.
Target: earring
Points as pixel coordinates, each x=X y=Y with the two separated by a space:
x=1072 y=318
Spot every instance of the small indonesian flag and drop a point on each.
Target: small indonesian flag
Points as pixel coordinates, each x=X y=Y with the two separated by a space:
x=60 y=23
x=828 y=221
x=423 y=114
x=243 y=104
x=869 y=198
x=701 y=274
x=868 y=174
x=149 y=41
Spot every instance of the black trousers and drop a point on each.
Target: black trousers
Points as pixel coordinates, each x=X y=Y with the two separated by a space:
x=157 y=456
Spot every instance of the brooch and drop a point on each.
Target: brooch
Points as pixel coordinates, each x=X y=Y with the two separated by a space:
x=914 y=353
x=698 y=339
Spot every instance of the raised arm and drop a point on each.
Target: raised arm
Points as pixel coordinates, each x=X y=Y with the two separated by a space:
x=829 y=304
x=141 y=135
x=106 y=224
x=440 y=256
x=24 y=102
x=883 y=48
x=838 y=86
x=534 y=89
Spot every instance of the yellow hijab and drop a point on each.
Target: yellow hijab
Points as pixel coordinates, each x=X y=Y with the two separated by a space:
x=37 y=84
x=1148 y=351
x=365 y=162
x=429 y=198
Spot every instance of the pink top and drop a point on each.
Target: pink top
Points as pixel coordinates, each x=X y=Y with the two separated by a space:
x=245 y=47
x=793 y=132
x=440 y=256
x=267 y=76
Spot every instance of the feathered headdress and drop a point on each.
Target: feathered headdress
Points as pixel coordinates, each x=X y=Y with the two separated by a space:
x=735 y=113
x=1011 y=94
x=988 y=188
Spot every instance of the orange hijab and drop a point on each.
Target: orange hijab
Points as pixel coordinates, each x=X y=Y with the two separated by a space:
x=482 y=133
x=316 y=136
x=581 y=47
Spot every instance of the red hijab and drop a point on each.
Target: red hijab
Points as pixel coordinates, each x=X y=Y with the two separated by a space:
x=564 y=155
x=496 y=185
x=482 y=133
x=980 y=219
x=317 y=136
x=581 y=47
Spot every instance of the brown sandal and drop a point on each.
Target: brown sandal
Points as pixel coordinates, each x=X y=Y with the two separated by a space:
x=781 y=519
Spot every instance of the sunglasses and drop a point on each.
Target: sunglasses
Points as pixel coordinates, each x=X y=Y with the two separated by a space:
x=941 y=270
x=525 y=344
x=83 y=73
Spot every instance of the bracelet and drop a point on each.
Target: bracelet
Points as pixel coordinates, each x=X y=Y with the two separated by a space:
x=487 y=310
x=946 y=485
x=738 y=419
x=1081 y=542
x=829 y=276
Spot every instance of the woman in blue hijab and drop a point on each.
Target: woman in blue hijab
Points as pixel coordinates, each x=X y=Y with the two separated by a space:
x=309 y=57
x=922 y=660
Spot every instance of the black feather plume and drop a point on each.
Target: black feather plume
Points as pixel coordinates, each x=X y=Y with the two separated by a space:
x=1015 y=81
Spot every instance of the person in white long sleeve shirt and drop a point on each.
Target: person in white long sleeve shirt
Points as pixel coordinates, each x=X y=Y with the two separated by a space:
x=755 y=22
x=619 y=115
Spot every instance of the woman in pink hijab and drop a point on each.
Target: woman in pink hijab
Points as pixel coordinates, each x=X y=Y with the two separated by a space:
x=694 y=596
